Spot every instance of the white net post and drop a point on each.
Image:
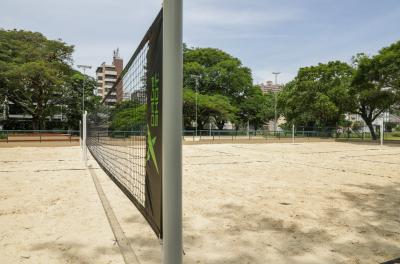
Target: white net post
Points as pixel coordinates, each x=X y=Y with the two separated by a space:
x=84 y=132
x=80 y=131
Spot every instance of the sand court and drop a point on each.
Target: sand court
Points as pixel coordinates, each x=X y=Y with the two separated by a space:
x=242 y=203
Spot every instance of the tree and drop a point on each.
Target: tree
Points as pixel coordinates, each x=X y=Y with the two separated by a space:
x=210 y=107
x=257 y=108
x=216 y=73
x=371 y=95
x=71 y=103
x=318 y=96
x=33 y=71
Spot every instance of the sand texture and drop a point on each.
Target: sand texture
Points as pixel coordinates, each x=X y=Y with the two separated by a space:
x=243 y=203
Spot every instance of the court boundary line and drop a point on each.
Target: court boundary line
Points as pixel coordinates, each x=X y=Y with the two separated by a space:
x=123 y=243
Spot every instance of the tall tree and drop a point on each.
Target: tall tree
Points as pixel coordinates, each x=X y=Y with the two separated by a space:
x=376 y=84
x=318 y=96
x=33 y=71
x=216 y=72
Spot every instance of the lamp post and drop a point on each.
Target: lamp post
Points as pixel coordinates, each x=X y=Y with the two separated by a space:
x=276 y=114
x=196 y=77
x=84 y=67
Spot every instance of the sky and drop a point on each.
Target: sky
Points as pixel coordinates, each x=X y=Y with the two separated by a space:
x=265 y=35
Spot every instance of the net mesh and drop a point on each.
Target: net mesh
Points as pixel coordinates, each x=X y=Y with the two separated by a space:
x=116 y=133
x=124 y=134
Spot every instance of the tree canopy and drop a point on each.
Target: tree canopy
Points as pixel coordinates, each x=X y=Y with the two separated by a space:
x=225 y=89
x=318 y=96
x=36 y=76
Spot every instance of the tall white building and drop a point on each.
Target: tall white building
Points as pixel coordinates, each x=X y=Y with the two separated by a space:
x=107 y=75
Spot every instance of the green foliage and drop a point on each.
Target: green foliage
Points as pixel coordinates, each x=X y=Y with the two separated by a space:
x=257 y=107
x=33 y=72
x=3 y=135
x=125 y=118
x=36 y=75
x=396 y=134
x=318 y=96
x=357 y=125
x=375 y=87
x=215 y=108
x=217 y=73
x=71 y=102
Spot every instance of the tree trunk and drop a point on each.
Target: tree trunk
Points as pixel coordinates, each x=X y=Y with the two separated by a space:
x=220 y=125
x=35 y=123
x=371 y=128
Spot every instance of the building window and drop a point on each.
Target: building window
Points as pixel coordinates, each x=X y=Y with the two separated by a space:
x=110 y=76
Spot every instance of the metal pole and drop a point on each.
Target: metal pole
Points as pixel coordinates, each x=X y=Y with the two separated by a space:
x=248 y=127
x=293 y=133
x=80 y=131
x=84 y=132
x=382 y=131
x=83 y=92
x=171 y=131
x=276 y=114
x=84 y=67
x=197 y=87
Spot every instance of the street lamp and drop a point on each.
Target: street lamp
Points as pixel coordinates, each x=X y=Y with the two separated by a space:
x=196 y=77
x=276 y=116
x=84 y=67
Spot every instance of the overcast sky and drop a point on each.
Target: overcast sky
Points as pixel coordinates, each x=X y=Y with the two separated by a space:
x=266 y=35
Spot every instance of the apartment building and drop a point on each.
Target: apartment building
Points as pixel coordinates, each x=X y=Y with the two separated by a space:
x=107 y=75
x=270 y=87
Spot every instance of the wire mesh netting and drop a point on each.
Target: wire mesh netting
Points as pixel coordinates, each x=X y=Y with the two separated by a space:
x=118 y=131
x=121 y=148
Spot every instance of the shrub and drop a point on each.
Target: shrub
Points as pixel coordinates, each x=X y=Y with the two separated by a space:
x=396 y=134
x=3 y=135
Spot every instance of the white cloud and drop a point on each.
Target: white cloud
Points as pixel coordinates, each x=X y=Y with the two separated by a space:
x=230 y=14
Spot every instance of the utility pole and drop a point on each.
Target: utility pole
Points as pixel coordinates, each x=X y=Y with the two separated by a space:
x=276 y=114
x=84 y=67
x=196 y=77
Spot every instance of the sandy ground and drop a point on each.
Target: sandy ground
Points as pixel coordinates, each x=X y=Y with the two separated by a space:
x=49 y=209
x=255 y=203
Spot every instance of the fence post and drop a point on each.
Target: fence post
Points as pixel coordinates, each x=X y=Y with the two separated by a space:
x=7 y=136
